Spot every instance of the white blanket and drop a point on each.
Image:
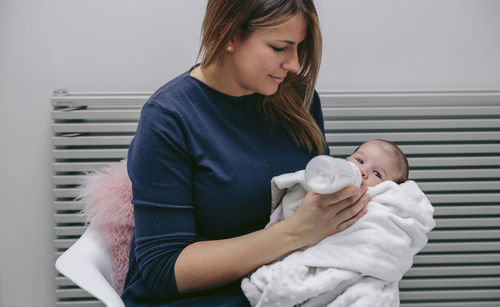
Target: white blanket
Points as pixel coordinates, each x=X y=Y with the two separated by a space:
x=360 y=266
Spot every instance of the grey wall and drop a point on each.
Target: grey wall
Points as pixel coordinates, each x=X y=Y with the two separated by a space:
x=129 y=46
x=391 y=44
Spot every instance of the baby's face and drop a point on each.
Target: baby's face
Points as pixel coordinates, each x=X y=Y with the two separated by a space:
x=375 y=163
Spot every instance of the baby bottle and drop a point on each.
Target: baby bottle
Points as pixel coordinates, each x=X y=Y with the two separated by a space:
x=325 y=174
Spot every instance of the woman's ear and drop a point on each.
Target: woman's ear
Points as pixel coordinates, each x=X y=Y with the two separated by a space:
x=234 y=42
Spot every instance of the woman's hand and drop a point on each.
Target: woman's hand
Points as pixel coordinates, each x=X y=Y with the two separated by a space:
x=321 y=215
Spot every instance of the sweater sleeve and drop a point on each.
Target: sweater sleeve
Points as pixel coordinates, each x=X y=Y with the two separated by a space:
x=160 y=169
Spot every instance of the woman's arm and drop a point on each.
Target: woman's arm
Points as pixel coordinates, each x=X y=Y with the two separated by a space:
x=209 y=264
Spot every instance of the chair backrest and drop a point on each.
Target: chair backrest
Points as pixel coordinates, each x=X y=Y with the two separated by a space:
x=88 y=264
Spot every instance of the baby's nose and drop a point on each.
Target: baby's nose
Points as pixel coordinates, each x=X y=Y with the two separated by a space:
x=362 y=170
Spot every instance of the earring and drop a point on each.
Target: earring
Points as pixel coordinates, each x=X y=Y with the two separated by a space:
x=229 y=48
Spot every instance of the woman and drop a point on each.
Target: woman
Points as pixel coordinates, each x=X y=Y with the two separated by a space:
x=206 y=147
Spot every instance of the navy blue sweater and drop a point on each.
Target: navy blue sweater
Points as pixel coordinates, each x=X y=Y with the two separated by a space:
x=201 y=163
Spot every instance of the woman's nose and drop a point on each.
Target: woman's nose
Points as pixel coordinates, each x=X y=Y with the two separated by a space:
x=292 y=64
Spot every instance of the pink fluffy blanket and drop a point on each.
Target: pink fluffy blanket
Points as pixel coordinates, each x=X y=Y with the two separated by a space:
x=107 y=195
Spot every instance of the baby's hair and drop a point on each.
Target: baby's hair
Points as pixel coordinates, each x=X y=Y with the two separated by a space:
x=400 y=158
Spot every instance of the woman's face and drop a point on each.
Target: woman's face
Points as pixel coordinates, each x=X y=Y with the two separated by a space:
x=260 y=62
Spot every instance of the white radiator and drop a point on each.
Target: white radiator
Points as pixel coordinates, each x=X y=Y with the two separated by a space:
x=452 y=140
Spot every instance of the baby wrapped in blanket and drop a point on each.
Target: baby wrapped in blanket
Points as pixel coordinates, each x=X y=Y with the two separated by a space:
x=362 y=265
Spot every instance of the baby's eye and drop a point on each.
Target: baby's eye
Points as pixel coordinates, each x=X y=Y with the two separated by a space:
x=377 y=174
x=360 y=161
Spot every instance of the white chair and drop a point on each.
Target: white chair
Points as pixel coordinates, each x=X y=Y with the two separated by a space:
x=88 y=264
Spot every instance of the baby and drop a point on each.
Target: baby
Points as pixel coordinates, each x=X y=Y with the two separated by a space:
x=378 y=161
x=363 y=264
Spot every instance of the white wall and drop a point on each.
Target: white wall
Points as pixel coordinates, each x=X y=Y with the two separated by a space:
x=421 y=45
x=126 y=45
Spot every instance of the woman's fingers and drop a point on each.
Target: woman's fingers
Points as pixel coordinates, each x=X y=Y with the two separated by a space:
x=348 y=223
x=341 y=195
x=344 y=198
x=322 y=215
x=352 y=213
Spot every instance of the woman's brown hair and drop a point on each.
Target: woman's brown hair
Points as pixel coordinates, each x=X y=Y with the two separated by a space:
x=290 y=104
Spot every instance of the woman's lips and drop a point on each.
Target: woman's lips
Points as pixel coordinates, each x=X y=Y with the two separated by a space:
x=277 y=79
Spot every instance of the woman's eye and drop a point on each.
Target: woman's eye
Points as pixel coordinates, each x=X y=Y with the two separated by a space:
x=377 y=174
x=277 y=49
x=360 y=161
